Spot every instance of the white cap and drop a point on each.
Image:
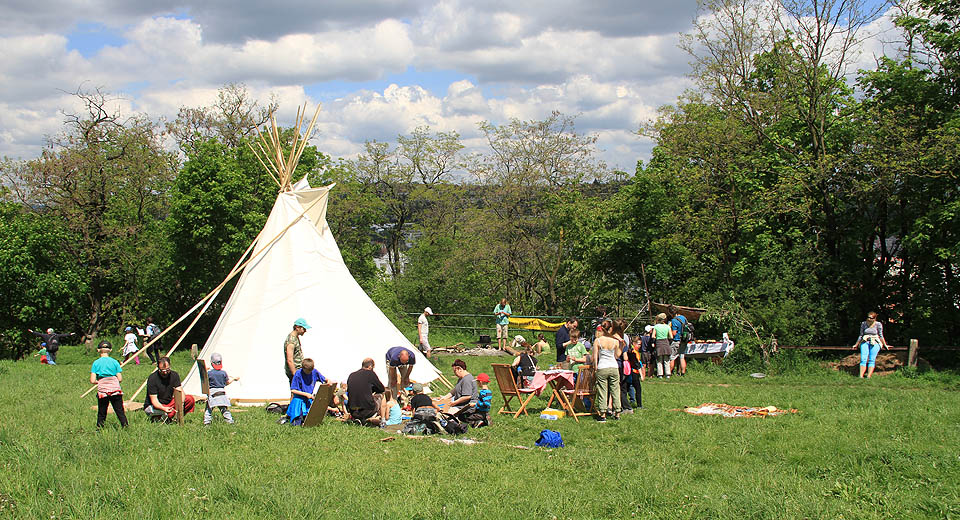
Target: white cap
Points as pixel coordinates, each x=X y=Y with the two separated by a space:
x=648 y=328
x=519 y=339
x=428 y=310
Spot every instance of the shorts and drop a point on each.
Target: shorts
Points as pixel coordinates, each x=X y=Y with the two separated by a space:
x=502 y=331
x=424 y=346
x=674 y=350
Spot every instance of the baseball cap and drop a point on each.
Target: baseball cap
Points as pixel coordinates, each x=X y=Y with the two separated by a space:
x=648 y=328
x=417 y=388
x=483 y=377
x=105 y=345
x=301 y=323
x=216 y=360
x=428 y=310
x=129 y=329
x=519 y=339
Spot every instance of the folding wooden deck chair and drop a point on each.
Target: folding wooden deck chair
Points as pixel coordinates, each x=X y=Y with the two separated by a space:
x=508 y=389
x=584 y=388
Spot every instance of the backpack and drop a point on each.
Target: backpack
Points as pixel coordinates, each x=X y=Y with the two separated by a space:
x=686 y=328
x=446 y=423
x=550 y=439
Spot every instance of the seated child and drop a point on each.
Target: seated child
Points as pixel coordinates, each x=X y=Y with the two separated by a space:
x=218 y=397
x=419 y=399
x=302 y=392
x=391 y=408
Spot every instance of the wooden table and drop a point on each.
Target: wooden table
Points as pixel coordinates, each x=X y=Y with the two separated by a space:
x=558 y=381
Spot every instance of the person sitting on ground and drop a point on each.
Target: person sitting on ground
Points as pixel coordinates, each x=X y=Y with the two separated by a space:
x=517 y=345
x=338 y=404
x=218 y=397
x=130 y=345
x=463 y=397
x=576 y=352
x=361 y=387
x=420 y=399
x=541 y=345
x=869 y=341
x=390 y=409
x=302 y=391
x=524 y=367
x=484 y=400
x=106 y=374
x=42 y=352
x=399 y=359
x=160 y=387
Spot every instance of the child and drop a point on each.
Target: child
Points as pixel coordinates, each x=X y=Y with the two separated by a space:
x=218 y=394
x=525 y=366
x=130 y=345
x=44 y=357
x=391 y=408
x=301 y=391
x=106 y=374
x=637 y=369
x=484 y=398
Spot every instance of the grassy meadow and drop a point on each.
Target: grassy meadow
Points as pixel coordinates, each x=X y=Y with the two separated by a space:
x=883 y=448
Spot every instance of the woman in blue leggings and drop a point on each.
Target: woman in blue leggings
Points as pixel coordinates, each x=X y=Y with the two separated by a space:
x=869 y=341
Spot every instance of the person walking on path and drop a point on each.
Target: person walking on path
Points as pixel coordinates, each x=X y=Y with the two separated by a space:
x=606 y=350
x=151 y=332
x=502 y=314
x=869 y=341
x=292 y=352
x=52 y=339
x=423 y=331
x=130 y=345
x=105 y=372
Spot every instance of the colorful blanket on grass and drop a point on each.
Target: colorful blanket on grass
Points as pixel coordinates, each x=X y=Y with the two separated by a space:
x=727 y=410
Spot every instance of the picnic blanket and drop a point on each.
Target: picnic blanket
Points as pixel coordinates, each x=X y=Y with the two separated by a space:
x=727 y=410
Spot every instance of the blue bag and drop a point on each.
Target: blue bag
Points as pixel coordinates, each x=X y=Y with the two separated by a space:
x=550 y=439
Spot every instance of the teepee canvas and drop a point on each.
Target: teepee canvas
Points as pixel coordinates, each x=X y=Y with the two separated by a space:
x=297 y=272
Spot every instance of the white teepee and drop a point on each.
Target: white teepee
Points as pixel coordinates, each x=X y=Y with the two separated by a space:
x=298 y=272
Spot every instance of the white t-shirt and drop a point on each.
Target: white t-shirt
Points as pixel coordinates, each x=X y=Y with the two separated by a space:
x=424 y=326
x=130 y=343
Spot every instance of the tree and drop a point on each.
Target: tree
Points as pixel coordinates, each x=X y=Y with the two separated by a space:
x=230 y=119
x=106 y=179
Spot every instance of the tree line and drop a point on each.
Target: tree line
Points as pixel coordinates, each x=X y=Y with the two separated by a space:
x=786 y=193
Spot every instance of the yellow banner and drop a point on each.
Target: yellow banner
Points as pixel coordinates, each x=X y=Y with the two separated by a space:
x=534 y=324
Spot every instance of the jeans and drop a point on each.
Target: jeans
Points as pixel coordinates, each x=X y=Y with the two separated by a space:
x=52 y=357
x=608 y=384
x=113 y=400
x=868 y=353
x=626 y=384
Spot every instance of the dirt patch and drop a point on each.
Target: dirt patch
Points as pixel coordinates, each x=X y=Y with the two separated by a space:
x=887 y=363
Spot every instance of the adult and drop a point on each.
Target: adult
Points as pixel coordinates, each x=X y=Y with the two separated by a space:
x=399 y=359
x=562 y=338
x=647 y=350
x=525 y=366
x=678 y=343
x=150 y=334
x=463 y=397
x=626 y=376
x=661 y=336
x=361 y=387
x=869 y=341
x=502 y=314
x=423 y=331
x=292 y=351
x=606 y=350
x=541 y=345
x=52 y=339
x=160 y=388
x=517 y=345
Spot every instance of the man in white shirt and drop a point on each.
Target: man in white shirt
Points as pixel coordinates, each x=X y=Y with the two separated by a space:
x=423 y=331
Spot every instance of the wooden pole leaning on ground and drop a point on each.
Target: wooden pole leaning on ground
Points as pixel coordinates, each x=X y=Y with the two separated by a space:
x=208 y=298
x=912 y=353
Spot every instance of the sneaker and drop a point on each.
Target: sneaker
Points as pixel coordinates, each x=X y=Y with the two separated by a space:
x=668 y=377
x=600 y=418
x=614 y=417
x=283 y=420
x=628 y=410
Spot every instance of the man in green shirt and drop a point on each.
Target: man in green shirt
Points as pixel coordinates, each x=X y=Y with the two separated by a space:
x=292 y=353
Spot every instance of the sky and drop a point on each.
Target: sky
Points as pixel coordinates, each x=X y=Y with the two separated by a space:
x=380 y=67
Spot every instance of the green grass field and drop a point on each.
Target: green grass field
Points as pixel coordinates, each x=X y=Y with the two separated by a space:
x=884 y=448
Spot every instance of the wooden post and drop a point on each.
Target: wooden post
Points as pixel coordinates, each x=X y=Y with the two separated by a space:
x=193 y=351
x=178 y=403
x=912 y=353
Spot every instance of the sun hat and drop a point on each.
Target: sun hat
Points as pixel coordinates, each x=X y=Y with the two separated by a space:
x=483 y=377
x=301 y=323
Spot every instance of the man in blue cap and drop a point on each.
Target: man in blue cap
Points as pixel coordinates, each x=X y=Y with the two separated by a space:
x=292 y=353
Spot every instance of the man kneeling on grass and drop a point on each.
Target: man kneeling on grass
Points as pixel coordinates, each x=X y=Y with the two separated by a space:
x=361 y=387
x=160 y=387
